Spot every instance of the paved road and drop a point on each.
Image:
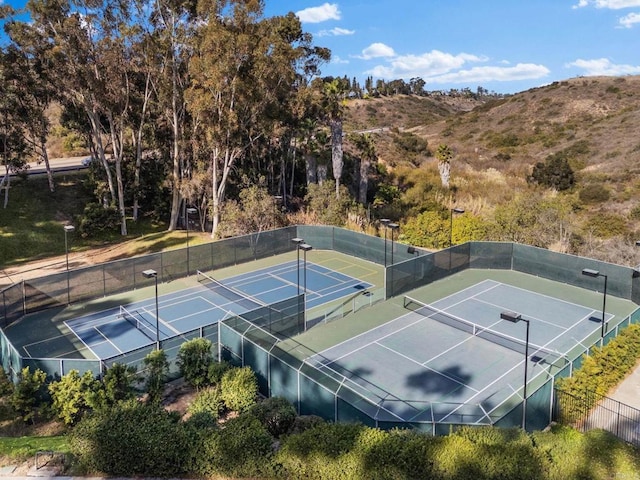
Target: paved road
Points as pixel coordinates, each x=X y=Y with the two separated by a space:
x=57 y=164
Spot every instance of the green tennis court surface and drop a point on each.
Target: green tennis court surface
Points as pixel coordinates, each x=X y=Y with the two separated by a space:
x=453 y=359
x=126 y=328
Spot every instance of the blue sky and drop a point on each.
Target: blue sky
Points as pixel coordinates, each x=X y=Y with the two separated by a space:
x=503 y=45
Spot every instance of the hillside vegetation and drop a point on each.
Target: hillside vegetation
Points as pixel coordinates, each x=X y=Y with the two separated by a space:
x=590 y=122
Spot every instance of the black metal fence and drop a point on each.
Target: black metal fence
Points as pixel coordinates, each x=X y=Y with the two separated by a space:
x=124 y=275
x=595 y=411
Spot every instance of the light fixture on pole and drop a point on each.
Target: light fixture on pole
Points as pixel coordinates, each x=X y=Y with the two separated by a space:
x=305 y=247
x=393 y=227
x=385 y=222
x=153 y=274
x=595 y=273
x=67 y=229
x=453 y=212
x=298 y=241
x=189 y=211
x=514 y=317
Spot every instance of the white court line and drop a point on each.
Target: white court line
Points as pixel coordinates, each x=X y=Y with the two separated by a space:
x=581 y=307
x=537 y=319
x=358 y=390
x=468 y=400
x=161 y=321
x=393 y=320
x=108 y=341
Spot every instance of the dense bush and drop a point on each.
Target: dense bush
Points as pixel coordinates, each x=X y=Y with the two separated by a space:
x=130 y=439
x=338 y=451
x=30 y=396
x=594 y=193
x=96 y=218
x=239 y=388
x=554 y=173
x=207 y=401
x=276 y=414
x=241 y=449
x=157 y=369
x=194 y=360
x=216 y=371
x=601 y=371
x=73 y=395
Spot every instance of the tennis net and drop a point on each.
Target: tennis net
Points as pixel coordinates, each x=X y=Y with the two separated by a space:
x=503 y=339
x=230 y=293
x=138 y=321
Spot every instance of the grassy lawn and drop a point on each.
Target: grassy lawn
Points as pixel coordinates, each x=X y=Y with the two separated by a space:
x=31 y=224
x=22 y=448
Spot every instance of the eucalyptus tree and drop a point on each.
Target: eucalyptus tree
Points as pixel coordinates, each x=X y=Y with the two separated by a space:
x=172 y=25
x=33 y=95
x=242 y=73
x=85 y=45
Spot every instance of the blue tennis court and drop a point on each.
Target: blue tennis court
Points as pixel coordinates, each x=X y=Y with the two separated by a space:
x=128 y=327
x=456 y=353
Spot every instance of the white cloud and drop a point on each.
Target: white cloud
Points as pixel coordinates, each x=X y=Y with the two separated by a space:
x=377 y=50
x=611 y=4
x=338 y=60
x=428 y=64
x=604 y=67
x=335 y=32
x=630 y=20
x=326 y=11
x=521 y=71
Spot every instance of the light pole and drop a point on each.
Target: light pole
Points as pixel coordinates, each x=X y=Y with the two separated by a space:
x=453 y=212
x=595 y=273
x=305 y=247
x=189 y=211
x=298 y=241
x=393 y=227
x=385 y=222
x=67 y=229
x=153 y=274
x=515 y=318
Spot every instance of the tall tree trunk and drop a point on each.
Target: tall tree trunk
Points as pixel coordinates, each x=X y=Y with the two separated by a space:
x=311 y=168
x=336 y=151
x=137 y=140
x=365 y=163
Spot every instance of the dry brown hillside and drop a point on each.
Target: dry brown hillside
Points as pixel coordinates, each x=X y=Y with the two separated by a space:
x=592 y=122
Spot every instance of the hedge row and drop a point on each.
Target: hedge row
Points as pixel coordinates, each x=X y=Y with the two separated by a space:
x=136 y=439
x=601 y=371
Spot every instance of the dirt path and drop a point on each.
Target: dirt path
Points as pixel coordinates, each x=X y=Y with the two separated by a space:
x=50 y=265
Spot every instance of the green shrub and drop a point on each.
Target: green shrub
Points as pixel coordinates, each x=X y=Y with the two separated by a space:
x=30 y=396
x=194 y=360
x=207 y=401
x=241 y=449
x=303 y=423
x=594 y=193
x=608 y=225
x=97 y=218
x=276 y=414
x=239 y=388
x=554 y=173
x=73 y=395
x=600 y=371
x=130 y=439
x=157 y=369
x=216 y=371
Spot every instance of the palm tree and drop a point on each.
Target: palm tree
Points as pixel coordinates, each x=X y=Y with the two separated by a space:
x=444 y=156
x=364 y=142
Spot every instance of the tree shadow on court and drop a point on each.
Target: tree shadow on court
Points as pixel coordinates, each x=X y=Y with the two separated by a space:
x=447 y=382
